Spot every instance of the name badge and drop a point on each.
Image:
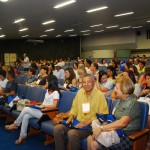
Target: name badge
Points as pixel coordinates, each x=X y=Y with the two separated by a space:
x=86 y=108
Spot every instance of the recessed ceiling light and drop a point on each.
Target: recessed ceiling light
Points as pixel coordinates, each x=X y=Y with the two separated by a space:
x=3 y=0
x=96 y=9
x=58 y=35
x=125 y=27
x=124 y=14
x=70 y=30
x=43 y=35
x=49 y=30
x=115 y=26
x=136 y=27
x=25 y=36
x=86 y=31
x=86 y=34
x=1 y=36
x=23 y=29
x=64 y=4
x=148 y=21
x=96 y=25
x=99 y=31
x=19 y=20
x=48 y=22
x=73 y=35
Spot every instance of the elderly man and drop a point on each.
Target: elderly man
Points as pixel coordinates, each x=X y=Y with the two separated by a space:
x=86 y=104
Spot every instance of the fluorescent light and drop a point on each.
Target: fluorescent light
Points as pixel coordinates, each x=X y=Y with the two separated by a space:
x=25 y=35
x=64 y=4
x=96 y=25
x=19 y=20
x=0 y=28
x=136 y=27
x=99 y=31
x=23 y=29
x=148 y=21
x=86 y=34
x=58 y=35
x=125 y=27
x=70 y=30
x=86 y=31
x=73 y=35
x=43 y=35
x=48 y=22
x=49 y=30
x=96 y=9
x=1 y=36
x=3 y=0
x=115 y=26
x=124 y=14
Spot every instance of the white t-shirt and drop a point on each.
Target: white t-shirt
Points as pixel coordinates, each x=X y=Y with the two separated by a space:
x=3 y=83
x=26 y=62
x=48 y=100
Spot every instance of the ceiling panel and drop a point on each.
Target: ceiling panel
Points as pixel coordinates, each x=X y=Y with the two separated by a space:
x=72 y=16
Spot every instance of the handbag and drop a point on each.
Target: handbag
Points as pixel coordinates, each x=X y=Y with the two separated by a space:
x=109 y=118
x=107 y=138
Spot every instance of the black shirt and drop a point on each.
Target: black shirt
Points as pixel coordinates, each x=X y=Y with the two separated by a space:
x=11 y=86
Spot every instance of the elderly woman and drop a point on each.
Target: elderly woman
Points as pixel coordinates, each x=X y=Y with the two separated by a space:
x=127 y=113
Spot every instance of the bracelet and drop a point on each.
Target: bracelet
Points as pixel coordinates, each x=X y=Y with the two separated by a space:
x=102 y=128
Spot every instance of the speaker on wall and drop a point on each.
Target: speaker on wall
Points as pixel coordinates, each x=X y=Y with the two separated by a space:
x=138 y=33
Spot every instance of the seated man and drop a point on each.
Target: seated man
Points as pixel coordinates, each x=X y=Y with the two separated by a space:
x=86 y=104
x=11 y=86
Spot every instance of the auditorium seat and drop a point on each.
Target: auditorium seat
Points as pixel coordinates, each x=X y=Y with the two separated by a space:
x=64 y=105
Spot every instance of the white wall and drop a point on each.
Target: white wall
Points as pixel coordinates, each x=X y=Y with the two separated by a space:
x=126 y=39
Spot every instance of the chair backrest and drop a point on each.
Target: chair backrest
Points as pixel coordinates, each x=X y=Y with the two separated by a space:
x=65 y=101
x=36 y=94
x=23 y=90
x=144 y=114
x=109 y=103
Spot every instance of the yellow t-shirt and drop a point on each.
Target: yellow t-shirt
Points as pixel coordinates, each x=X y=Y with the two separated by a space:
x=97 y=101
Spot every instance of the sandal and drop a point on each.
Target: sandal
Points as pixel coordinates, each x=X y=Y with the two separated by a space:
x=11 y=127
x=21 y=140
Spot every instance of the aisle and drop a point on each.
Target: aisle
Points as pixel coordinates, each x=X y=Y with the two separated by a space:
x=7 y=140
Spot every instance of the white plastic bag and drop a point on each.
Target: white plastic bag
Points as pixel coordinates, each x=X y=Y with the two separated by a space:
x=106 y=138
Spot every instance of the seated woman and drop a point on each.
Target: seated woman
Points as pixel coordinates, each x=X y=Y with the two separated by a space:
x=49 y=77
x=70 y=79
x=103 y=83
x=75 y=69
x=127 y=113
x=50 y=101
x=31 y=75
x=81 y=72
x=111 y=73
x=103 y=63
x=41 y=80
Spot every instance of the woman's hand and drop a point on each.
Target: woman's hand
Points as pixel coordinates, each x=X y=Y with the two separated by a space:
x=96 y=133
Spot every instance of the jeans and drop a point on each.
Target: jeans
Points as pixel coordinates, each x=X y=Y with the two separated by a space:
x=24 y=117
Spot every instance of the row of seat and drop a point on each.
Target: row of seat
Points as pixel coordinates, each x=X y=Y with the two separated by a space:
x=64 y=105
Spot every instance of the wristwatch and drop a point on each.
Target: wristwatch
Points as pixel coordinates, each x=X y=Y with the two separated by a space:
x=102 y=128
